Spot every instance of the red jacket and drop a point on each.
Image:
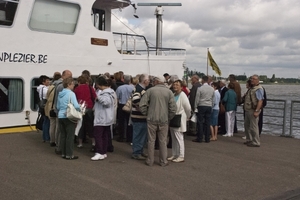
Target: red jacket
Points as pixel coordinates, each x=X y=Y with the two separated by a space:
x=85 y=93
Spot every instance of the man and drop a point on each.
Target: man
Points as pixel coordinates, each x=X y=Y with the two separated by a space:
x=223 y=89
x=58 y=88
x=204 y=101
x=167 y=77
x=196 y=84
x=159 y=105
x=238 y=91
x=123 y=94
x=252 y=106
x=49 y=106
x=139 y=122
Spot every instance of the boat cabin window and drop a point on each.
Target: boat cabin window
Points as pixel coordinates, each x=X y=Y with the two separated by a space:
x=54 y=16
x=8 y=10
x=98 y=17
x=11 y=95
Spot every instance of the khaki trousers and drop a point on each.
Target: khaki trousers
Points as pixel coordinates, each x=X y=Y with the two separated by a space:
x=251 y=127
x=162 y=133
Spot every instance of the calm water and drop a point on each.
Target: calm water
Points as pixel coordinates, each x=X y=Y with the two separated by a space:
x=275 y=109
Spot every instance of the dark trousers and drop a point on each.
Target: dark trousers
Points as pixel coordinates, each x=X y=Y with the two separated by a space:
x=221 y=121
x=203 y=123
x=260 y=121
x=87 y=125
x=67 y=130
x=124 y=130
x=101 y=135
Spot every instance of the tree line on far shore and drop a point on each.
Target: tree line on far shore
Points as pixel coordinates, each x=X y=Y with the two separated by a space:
x=244 y=78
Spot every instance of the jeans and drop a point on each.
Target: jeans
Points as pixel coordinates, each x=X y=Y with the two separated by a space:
x=139 y=137
x=203 y=123
x=46 y=128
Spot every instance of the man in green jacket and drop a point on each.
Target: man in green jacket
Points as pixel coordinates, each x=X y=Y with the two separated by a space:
x=159 y=106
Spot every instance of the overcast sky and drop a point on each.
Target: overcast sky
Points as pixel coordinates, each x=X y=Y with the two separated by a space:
x=244 y=36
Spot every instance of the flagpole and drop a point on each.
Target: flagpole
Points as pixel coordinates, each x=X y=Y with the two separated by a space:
x=207 y=62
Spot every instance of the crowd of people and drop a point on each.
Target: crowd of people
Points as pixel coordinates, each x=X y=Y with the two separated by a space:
x=160 y=111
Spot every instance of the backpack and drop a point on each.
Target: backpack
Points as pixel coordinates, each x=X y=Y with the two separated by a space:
x=265 y=98
x=42 y=104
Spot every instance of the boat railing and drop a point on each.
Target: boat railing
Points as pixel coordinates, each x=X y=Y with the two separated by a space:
x=278 y=113
x=132 y=44
x=294 y=117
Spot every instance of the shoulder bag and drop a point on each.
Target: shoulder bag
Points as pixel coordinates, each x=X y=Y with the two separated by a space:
x=175 y=121
x=72 y=113
x=127 y=107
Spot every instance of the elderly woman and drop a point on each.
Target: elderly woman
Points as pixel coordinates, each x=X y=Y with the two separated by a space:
x=66 y=126
x=183 y=109
x=86 y=93
x=104 y=117
x=230 y=101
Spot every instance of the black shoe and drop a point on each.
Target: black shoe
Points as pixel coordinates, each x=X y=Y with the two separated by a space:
x=93 y=149
x=57 y=152
x=156 y=148
x=71 y=158
x=196 y=140
x=169 y=146
x=52 y=144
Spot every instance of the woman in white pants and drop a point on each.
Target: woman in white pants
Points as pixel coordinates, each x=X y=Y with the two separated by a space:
x=230 y=101
x=183 y=109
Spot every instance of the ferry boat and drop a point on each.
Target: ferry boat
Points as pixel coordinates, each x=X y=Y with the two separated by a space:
x=40 y=37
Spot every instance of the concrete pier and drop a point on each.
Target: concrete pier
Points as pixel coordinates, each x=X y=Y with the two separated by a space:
x=224 y=169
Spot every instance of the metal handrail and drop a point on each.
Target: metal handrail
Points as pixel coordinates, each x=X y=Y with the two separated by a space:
x=292 y=118
x=283 y=116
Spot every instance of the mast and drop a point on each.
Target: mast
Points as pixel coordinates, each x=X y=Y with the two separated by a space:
x=159 y=22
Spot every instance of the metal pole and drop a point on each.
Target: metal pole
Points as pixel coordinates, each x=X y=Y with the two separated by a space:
x=207 y=62
x=284 y=118
x=159 y=23
x=291 y=118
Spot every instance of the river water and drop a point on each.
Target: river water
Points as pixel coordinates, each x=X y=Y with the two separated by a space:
x=274 y=111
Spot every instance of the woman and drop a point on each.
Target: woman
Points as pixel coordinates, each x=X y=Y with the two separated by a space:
x=183 y=109
x=215 y=112
x=230 y=100
x=85 y=93
x=104 y=117
x=67 y=127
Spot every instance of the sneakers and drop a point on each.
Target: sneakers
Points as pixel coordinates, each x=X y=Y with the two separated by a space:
x=80 y=146
x=171 y=158
x=138 y=157
x=179 y=159
x=244 y=138
x=98 y=156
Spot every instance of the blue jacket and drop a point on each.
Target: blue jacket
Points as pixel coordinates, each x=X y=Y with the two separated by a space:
x=63 y=99
x=104 y=108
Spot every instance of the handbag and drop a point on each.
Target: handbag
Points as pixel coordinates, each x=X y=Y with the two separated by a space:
x=176 y=121
x=222 y=109
x=72 y=113
x=52 y=113
x=39 y=122
x=127 y=107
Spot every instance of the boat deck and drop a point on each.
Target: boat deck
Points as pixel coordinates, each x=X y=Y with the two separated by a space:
x=225 y=169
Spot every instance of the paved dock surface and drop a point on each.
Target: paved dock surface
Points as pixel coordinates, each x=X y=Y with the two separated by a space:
x=225 y=169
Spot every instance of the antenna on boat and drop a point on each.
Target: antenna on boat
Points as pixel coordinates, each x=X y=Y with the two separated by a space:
x=159 y=13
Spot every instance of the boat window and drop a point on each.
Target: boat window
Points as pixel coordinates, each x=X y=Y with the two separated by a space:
x=54 y=16
x=11 y=95
x=34 y=96
x=98 y=18
x=8 y=10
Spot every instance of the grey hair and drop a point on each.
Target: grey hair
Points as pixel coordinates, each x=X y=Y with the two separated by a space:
x=127 y=79
x=143 y=77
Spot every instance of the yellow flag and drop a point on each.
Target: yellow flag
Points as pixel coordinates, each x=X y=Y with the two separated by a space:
x=213 y=64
